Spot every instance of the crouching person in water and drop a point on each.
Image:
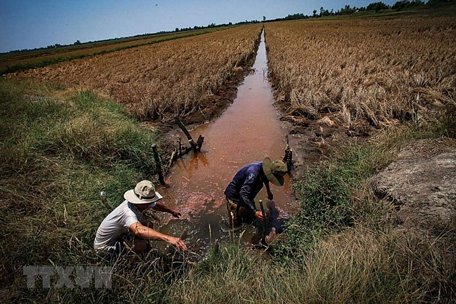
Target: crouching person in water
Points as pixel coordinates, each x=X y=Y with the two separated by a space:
x=246 y=184
x=126 y=223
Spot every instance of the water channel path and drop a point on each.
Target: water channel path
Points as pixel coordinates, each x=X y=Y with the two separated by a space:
x=247 y=131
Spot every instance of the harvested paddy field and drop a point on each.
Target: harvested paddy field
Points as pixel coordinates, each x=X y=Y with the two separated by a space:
x=21 y=60
x=361 y=74
x=186 y=77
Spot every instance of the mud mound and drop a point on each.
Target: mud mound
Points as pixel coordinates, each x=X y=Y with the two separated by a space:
x=421 y=183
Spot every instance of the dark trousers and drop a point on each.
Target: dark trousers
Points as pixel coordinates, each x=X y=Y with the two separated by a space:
x=238 y=212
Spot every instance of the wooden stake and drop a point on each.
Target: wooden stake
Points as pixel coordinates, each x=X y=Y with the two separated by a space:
x=189 y=137
x=179 y=143
x=172 y=158
x=263 y=234
x=161 y=178
x=288 y=157
x=217 y=247
x=199 y=142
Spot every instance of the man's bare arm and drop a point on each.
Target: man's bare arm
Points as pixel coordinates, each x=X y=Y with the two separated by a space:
x=146 y=233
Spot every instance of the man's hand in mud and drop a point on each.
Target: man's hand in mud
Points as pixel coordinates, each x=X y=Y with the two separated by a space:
x=176 y=214
x=259 y=215
x=178 y=243
x=270 y=196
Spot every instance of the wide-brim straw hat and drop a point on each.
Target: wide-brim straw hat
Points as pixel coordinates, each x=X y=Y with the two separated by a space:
x=274 y=171
x=143 y=193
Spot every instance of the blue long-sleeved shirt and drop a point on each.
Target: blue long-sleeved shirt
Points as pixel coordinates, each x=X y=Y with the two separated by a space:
x=246 y=184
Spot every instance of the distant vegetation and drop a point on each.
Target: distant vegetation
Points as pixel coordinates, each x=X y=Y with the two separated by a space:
x=372 y=7
x=213 y=25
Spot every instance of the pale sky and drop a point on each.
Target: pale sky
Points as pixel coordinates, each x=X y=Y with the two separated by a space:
x=39 y=23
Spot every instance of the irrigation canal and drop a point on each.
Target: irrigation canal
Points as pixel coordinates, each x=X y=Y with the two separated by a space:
x=247 y=131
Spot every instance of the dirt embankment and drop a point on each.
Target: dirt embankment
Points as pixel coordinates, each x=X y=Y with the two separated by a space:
x=421 y=184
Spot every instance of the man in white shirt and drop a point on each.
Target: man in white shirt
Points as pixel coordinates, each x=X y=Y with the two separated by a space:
x=127 y=219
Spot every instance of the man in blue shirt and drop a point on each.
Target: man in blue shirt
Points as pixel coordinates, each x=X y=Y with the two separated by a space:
x=246 y=184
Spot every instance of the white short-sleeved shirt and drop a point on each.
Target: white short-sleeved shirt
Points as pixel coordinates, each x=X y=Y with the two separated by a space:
x=116 y=224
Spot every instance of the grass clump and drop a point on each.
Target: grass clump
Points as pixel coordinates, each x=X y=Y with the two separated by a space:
x=357 y=265
x=56 y=155
x=337 y=194
x=325 y=198
x=218 y=279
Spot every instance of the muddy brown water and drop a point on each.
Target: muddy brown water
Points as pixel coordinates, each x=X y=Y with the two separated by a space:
x=247 y=131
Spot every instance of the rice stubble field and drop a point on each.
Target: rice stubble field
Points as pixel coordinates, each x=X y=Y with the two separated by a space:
x=181 y=77
x=350 y=77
